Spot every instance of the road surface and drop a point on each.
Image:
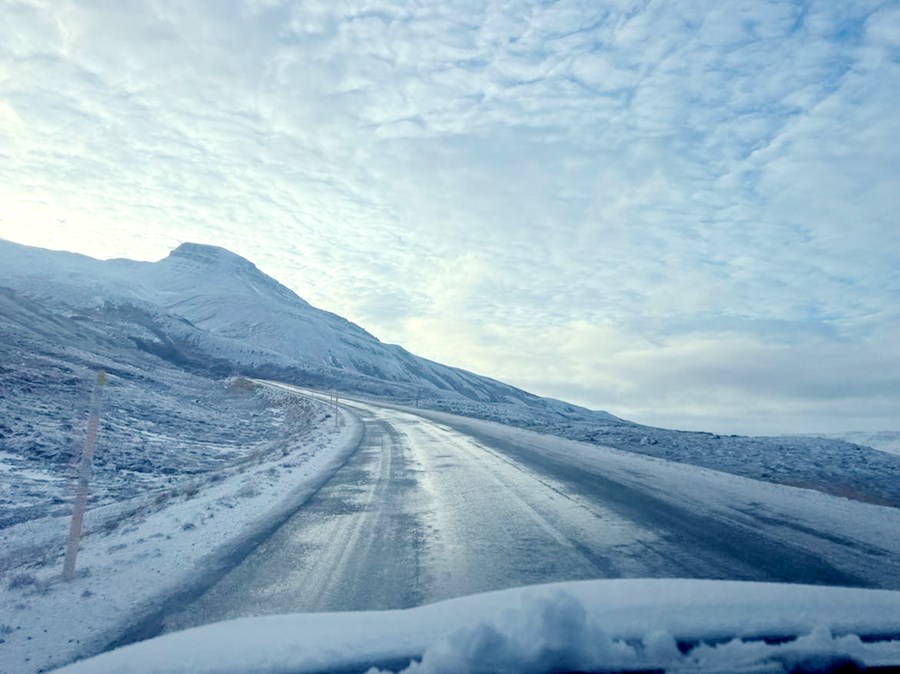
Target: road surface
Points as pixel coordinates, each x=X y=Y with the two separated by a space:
x=423 y=511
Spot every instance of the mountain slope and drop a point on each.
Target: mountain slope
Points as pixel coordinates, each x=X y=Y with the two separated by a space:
x=209 y=312
x=205 y=307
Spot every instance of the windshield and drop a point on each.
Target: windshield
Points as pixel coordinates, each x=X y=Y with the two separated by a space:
x=315 y=307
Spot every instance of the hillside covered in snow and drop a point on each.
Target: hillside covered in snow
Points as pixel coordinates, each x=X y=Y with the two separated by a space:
x=169 y=332
x=208 y=310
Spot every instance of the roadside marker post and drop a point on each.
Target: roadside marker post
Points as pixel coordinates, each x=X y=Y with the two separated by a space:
x=84 y=476
x=335 y=409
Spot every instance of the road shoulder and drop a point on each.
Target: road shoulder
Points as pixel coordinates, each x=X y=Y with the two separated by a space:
x=155 y=551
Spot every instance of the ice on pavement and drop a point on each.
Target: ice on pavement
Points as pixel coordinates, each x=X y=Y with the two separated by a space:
x=697 y=624
x=135 y=567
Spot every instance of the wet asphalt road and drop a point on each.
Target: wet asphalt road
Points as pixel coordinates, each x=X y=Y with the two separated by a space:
x=423 y=512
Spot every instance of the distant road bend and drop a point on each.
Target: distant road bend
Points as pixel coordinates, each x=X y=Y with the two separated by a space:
x=432 y=506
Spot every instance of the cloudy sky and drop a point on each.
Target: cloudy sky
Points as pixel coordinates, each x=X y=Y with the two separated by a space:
x=683 y=212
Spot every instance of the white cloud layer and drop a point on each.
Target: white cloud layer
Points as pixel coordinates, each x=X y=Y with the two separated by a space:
x=683 y=212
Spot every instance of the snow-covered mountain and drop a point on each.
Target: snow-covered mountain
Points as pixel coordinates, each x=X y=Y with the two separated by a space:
x=204 y=307
x=203 y=313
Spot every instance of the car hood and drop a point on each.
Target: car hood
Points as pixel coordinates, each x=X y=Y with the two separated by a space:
x=603 y=625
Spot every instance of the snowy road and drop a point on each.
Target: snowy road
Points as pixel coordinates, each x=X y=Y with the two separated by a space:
x=424 y=511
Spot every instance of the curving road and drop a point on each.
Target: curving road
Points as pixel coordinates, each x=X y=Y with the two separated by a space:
x=424 y=511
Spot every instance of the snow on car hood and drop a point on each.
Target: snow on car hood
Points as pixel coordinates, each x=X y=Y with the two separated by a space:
x=608 y=625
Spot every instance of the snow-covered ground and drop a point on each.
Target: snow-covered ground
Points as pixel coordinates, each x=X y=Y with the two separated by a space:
x=707 y=626
x=885 y=441
x=206 y=308
x=156 y=549
x=159 y=426
x=191 y=463
x=842 y=466
x=141 y=550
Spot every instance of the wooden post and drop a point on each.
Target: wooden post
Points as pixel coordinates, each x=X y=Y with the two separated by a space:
x=84 y=476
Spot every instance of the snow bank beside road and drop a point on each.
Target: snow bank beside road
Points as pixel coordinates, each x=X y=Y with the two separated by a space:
x=838 y=464
x=589 y=625
x=158 y=550
x=859 y=539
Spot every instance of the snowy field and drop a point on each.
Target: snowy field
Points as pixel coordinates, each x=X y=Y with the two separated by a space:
x=159 y=426
x=839 y=465
x=885 y=441
x=159 y=541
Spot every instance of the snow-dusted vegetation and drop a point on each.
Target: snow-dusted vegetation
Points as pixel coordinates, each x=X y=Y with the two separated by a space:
x=151 y=535
x=188 y=463
x=833 y=465
x=160 y=425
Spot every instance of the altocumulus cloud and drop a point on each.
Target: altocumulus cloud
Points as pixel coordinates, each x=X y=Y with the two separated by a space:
x=682 y=212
